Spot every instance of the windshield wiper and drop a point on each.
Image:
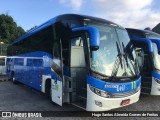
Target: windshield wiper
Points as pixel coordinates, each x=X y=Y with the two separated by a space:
x=126 y=59
x=119 y=55
x=125 y=55
x=117 y=62
x=115 y=67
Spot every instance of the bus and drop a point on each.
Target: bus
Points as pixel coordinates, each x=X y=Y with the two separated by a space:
x=2 y=65
x=77 y=59
x=147 y=45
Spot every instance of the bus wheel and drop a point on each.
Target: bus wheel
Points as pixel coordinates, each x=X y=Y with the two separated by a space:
x=50 y=93
x=48 y=88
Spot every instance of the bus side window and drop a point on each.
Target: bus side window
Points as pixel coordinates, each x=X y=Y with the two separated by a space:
x=2 y=61
x=77 y=53
x=29 y=62
x=37 y=62
x=19 y=61
x=77 y=41
x=140 y=58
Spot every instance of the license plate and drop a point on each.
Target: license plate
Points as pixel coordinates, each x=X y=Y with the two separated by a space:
x=125 y=102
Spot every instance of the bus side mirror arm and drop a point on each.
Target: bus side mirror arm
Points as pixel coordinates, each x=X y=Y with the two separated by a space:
x=94 y=36
x=143 y=40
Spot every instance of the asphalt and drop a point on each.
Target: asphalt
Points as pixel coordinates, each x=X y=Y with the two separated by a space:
x=18 y=97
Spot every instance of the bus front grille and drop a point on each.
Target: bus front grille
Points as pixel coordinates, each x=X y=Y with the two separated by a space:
x=125 y=94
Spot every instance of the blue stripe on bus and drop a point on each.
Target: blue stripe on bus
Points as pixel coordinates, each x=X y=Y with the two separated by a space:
x=95 y=82
x=113 y=87
x=156 y=75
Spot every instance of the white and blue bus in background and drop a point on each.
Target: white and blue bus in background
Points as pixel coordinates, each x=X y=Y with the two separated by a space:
x=77 y=59
x=2 y=65
x=147 y=45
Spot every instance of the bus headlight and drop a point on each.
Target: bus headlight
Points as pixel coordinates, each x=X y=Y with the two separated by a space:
x=157 y=80
x=100 y=92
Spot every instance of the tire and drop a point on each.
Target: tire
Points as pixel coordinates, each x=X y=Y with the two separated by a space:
x=50 y=93
x=48 y=88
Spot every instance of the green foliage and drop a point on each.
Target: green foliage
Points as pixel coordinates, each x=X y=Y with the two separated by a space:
x=32 y=28
x=9 y=30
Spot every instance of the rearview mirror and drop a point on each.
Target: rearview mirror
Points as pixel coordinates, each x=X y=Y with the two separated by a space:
x=93 y=36
x=140 y=41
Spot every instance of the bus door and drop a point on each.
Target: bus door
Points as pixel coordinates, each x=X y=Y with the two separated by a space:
x=78 y=69
x=144 y=61
x=57 y=74
x=145 y=65
x=83 y=39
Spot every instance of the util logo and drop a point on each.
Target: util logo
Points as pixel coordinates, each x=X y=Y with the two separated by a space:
x=121 y=88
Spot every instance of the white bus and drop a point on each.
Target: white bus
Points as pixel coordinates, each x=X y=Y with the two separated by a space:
x=2 y=65
x=77 y=59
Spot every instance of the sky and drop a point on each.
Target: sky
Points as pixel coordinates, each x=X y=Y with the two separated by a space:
x=127 y=13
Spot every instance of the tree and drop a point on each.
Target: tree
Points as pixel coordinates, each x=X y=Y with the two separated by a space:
x=9 y=30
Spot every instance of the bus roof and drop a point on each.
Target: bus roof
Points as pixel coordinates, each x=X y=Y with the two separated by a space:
x=2 y=56
x=143 y=31
x=64 y=17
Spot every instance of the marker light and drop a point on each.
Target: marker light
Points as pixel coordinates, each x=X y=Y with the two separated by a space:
x=98 y=103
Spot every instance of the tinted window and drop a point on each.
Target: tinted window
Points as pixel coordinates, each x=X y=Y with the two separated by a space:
x=41 y=41
x=77 y=41
x=153 y=36
x=35 y=62
x=18 y=61
x=71 y=23
x=135 y=33
x=2 y=61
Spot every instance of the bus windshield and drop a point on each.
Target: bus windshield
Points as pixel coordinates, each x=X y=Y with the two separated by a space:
x=152 y=36
x=156 y=57
x=112 y=59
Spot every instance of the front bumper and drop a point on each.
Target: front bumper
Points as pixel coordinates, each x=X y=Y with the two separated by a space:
x=107 y=103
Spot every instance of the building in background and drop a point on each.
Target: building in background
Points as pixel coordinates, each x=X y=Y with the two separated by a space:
x=156 y=28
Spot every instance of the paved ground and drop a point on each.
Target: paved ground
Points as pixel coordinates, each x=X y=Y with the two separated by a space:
x=17 y=97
